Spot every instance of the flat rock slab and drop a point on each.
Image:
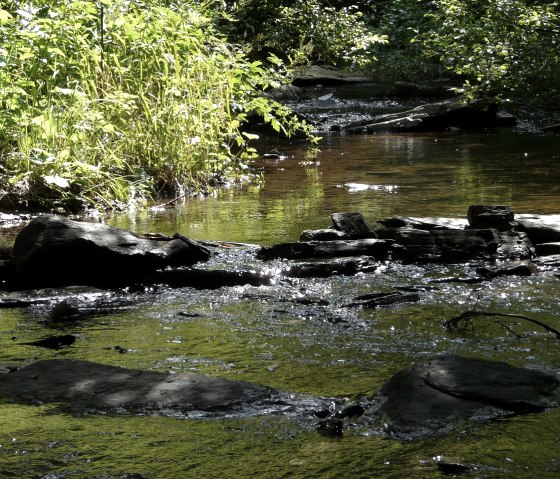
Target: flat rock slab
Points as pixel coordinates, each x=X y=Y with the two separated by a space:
x=428 y=223
x=376 y=248
x=429 y=396
x=84 y=384
x=539 y=228
x=451 y=113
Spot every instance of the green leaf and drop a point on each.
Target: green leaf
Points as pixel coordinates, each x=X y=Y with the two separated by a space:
x=5 y=17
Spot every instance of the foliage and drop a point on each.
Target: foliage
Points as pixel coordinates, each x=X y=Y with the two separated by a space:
x=118 y=101
x=306 y=30
x=500 y=48
x=403 y=58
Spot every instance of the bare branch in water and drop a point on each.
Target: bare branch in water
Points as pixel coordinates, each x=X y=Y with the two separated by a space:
x=467 y=316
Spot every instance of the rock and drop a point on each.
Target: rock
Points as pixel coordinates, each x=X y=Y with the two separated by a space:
x=55 y=251
x=429 y=396
x=449 y=246
x=326 y=234
x=547 y=249
x=331 y=427
x=328 y=269
x=54 y=342
x=207 y=279
x=376 y=248
x=353 y=224
x=514 y=245
x=84 y=384
x=374 y=300
x=412 y=245
x=351 y=411
x=466 y=245
x=427 y=224
x=452 y=467
x=451 y=113
x=325 y=75
x=539 y=228
x=490 y=216
x=523 y=269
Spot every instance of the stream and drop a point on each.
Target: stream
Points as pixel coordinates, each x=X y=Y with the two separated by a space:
x=299 y=336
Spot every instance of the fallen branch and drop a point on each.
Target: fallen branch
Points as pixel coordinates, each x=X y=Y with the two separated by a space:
x=467 y=316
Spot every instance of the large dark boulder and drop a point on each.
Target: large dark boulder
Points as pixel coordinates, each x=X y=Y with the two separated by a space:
x=55 y=251
x=431 y=396
x=85 y=384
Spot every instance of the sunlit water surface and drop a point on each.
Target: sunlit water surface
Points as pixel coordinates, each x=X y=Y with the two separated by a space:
x=270 y=336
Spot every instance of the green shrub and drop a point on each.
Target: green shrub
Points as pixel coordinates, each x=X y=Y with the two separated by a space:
x=306 y=30
x=116 y=101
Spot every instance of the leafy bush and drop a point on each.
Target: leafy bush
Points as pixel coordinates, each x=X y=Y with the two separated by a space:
x=403 y=57
x=306 y=30
x=116 y=101
x=501 y=48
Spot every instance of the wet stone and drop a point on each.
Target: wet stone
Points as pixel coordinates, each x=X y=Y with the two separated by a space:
x=539 y=228
x=55 y=251
x=490 y=216
x=514 y=245
x=376 y=248
x=353 y=224
x=547 y=249
x=431 y=396
x=326 y=234
x=85 y=384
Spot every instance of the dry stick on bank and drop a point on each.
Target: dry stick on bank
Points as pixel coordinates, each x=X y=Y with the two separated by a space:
x=467 y=316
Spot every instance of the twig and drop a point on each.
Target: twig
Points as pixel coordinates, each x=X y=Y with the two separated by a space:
x=507 y=328
x=468 y=315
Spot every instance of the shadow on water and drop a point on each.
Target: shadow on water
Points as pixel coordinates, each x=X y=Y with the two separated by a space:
x=298 y=336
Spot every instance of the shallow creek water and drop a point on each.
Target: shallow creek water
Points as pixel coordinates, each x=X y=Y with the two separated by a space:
x=284 y=337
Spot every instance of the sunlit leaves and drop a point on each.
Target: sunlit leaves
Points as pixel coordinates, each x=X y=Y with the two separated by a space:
x=500 y=47
x=126 y=102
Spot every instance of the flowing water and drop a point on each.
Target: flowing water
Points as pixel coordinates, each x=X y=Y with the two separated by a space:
x=299 y=336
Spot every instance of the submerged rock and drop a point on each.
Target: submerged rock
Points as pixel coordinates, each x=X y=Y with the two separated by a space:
x=208 y=278
x=55 y=251
x=374 y=300
x=430 y=396
x=89 y=385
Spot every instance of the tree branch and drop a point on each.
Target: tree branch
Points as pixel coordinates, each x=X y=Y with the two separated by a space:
x=453 y=323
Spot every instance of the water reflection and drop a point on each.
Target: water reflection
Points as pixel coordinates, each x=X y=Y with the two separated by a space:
x=412 y=175
x=323 y=349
